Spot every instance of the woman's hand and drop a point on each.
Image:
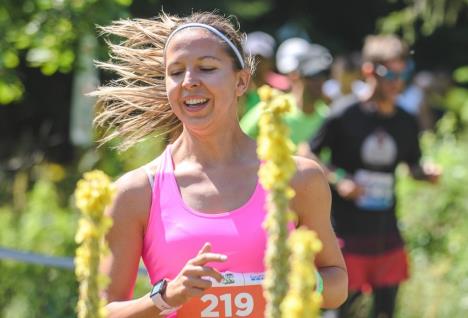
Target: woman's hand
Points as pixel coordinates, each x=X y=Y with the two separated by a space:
x=193 y=279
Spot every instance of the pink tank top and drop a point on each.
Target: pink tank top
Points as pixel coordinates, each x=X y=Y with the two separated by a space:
x=175 y=232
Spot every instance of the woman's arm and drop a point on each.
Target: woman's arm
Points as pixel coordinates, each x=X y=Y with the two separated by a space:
x=129 y=212
x=312 y=204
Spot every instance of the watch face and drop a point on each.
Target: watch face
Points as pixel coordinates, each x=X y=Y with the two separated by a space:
x=157 y=288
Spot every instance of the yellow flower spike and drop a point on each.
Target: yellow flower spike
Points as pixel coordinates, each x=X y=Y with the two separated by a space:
x=93 y=193
x=275 y=149
x=275 y=173
x=265 y=93
x=302 y=301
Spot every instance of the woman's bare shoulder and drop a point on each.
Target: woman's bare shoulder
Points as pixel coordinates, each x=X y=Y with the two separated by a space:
x=134 y=192
x=312 y=201
x=308 y=173
x=138 y=181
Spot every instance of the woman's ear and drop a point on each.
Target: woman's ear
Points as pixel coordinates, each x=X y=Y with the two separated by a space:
x=243 y=79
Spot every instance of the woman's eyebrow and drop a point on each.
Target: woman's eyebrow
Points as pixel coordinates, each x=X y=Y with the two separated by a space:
x=204 y=57
x=211 y=57
x=173 y=63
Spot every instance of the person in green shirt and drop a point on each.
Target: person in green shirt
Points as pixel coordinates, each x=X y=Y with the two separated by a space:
x=306 y=66
x=302 y=125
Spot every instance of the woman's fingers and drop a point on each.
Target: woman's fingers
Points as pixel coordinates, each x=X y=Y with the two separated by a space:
x=192 y=285
x=204 y=258
x=203 y=271
x=198 y=283
x=195 y=277
x=205 y=248
x=204 y=255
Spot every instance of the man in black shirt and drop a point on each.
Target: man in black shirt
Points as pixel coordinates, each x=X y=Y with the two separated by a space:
x=367 y=139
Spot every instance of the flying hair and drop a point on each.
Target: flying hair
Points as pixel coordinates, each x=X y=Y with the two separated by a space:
x=134 y=104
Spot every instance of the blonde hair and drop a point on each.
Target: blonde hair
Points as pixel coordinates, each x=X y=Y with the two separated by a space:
x=135 y=104
x=383 y=48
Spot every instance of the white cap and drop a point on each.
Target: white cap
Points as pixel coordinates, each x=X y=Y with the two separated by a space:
x=297 y=54
x=289 y=54
x=260 y=43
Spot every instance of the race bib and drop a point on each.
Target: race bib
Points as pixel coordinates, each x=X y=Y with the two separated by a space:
x=378 y=190
x=238 y=295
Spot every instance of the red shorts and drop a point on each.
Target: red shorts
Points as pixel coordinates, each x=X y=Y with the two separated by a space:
x=367 y=272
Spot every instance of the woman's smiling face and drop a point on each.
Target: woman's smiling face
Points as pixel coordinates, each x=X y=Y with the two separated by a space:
x=201 y=82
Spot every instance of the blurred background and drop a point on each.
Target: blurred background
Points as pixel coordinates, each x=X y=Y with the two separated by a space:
x=47 y=48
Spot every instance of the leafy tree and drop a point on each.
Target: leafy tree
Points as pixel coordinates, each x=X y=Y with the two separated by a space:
x=44 y=34
x=434 y=218
x=423 y=15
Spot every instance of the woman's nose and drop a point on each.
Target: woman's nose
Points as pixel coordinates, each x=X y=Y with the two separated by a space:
x=190 y=80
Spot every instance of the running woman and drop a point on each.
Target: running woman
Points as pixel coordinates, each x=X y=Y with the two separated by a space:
x=196 y=211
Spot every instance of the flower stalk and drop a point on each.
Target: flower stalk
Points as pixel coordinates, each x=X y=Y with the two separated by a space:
x=93 y=193
x=275 y=151
x=303 y=299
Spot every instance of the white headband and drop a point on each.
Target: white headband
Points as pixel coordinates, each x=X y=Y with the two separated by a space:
x=212 y=30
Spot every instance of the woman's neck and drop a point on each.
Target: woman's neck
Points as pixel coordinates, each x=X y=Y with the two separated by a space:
x=223 y=147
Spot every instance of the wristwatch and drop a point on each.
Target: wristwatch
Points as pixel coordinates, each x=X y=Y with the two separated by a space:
x=156 y=296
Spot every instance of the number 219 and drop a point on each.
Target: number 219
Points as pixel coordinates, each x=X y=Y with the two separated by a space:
x=243 y=302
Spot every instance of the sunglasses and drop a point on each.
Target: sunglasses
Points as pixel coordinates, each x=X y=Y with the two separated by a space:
x=389 y=75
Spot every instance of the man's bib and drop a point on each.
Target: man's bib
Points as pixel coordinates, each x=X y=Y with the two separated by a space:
x=378 y=190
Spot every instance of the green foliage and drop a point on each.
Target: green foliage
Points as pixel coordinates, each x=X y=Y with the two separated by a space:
x=435 y=223
x=114 y=163
x=434 y=218
x=45 y=226
x=45 y=34
x=461 y=74
x=249 y=9
x=422 y=15
x=45 y=222
x=11 y=89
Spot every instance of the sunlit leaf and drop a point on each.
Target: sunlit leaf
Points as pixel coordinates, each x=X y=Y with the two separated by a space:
x=464 y=113
x=40 y=55
x=66 y=60
x=22 y=41
x=461 y=74
x=124 y=2
x=10 y=92
x=45 y=4
x=49 y=68
x=456 y=98
x=10 y=59
x=250 y=9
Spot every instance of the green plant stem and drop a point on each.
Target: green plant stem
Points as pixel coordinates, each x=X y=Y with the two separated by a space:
x=276 y=276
